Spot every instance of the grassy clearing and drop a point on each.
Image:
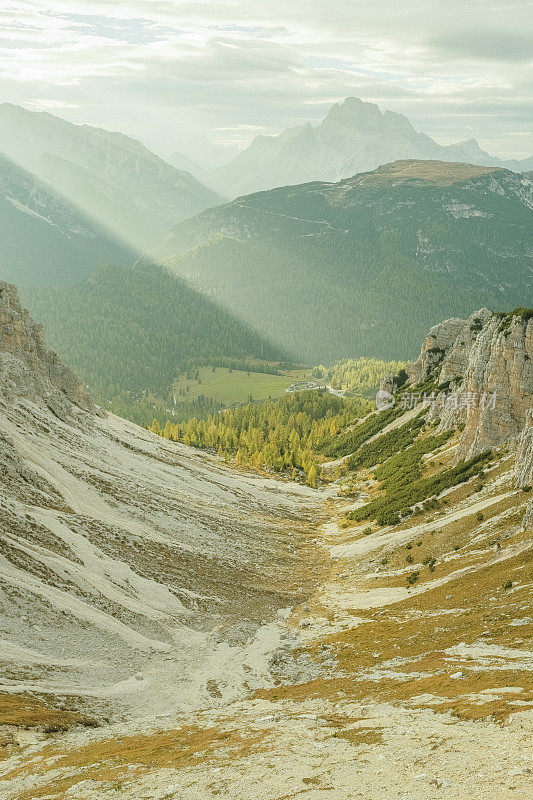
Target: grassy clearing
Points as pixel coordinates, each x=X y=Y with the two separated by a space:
x=235 y=386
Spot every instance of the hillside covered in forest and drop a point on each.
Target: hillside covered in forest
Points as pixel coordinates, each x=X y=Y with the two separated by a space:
x=363 y=267
x=129 y=332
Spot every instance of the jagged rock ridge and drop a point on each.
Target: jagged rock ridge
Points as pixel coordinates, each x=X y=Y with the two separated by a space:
x=27 y=367
x=485 y=365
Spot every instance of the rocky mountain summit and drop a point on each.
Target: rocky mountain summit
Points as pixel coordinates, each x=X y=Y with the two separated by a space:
x=355 y=136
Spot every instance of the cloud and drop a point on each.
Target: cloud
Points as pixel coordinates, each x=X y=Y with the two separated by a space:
x=50 y=105
x=166 y=70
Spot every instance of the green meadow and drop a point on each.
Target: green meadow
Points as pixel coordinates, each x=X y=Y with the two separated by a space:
x=235 y=386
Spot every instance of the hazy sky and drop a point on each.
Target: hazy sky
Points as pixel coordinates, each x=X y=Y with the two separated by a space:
x=165 y=71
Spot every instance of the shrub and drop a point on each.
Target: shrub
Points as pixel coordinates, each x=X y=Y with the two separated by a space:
x=412 y=578
x=349 y=441
x=400 y=493
x=385 y=446
x=387 y=518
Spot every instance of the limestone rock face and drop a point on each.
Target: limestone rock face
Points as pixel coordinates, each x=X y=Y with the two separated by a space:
x=485 y=365
x=27 y=368
x=528 y=518
x=524 y=459
x=440 y=341
x=524 y=467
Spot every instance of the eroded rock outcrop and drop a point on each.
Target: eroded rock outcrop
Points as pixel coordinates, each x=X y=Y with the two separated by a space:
x=482 y=368
x=524 y=467
x=27 y=368
x=524 y=458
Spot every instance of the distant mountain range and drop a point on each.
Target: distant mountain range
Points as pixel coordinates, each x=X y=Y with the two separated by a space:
x=316 y=272
x=364 y=266
x=46 y=240
x=109 y=177
x=202 y=158
x=354 y=137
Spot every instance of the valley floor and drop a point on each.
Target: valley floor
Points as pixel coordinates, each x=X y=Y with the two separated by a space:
x=360 y=686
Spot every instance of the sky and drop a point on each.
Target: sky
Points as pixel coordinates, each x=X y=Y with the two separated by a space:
x=168 y=72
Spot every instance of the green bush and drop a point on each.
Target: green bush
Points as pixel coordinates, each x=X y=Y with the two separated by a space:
x=399 y=493
x=348 y=441
x=385 y=446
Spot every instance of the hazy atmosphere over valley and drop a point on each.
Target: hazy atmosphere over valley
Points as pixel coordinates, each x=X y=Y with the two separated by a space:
x=266 y=400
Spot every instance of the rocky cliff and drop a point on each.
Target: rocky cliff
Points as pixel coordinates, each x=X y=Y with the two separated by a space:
x=524 y=466
x=481 y=370
x=27 y=368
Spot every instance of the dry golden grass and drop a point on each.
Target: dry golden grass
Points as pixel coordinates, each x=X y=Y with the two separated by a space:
x=469 y=608
x=359 y=736
x=27 y=712
x=440 y=173
x=112 y=760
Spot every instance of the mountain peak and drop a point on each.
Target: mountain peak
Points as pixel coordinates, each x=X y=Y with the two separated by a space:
x=354 y=104
x=355 y=137
x=352 y=110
